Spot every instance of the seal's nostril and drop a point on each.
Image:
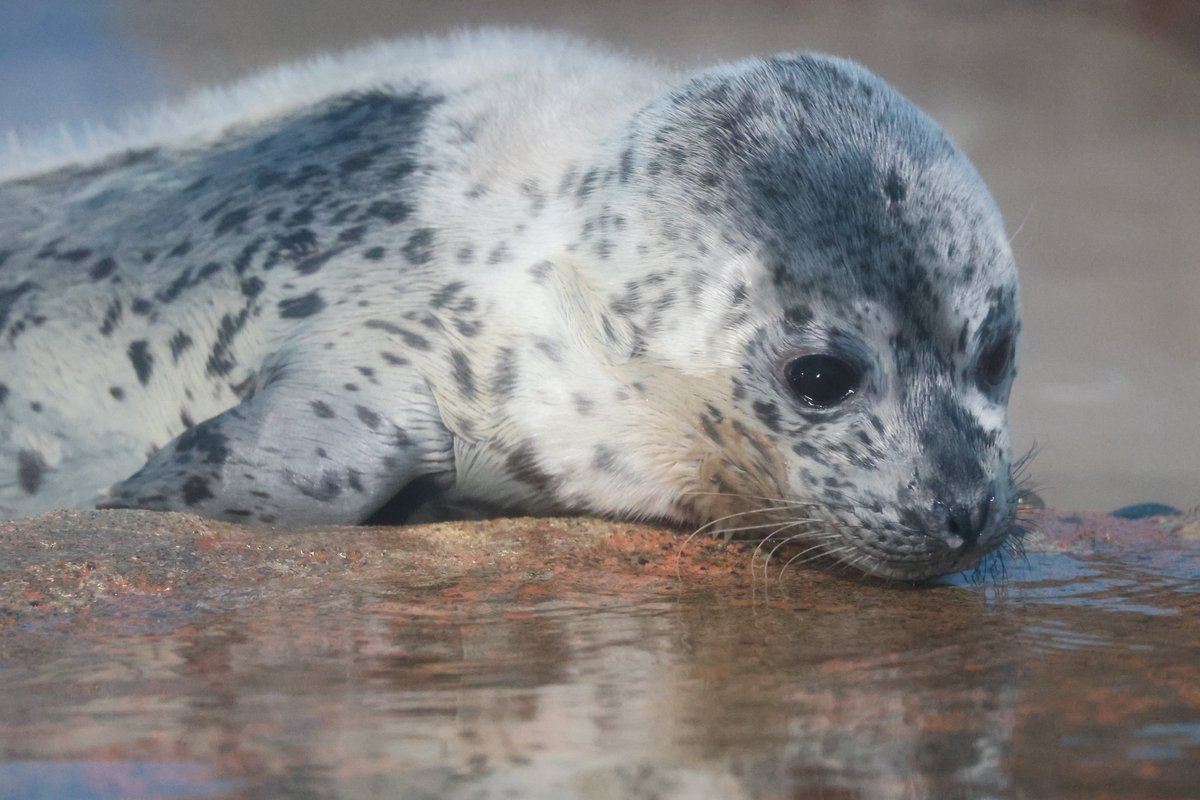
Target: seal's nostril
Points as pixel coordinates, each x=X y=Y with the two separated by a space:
x=965 y=525
x=968 y=522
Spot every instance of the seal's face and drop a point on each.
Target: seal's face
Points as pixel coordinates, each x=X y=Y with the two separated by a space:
x=872 y=315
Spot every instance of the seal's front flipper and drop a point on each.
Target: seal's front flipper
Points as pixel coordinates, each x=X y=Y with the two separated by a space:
x=294 y=455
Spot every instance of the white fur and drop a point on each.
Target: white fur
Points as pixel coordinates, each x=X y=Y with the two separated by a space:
x=544 y=62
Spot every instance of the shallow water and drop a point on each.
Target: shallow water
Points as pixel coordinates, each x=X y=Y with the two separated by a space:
x=247 y=664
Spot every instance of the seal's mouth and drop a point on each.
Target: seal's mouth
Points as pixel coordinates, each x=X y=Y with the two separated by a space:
x=925 y=556
x=910 y=555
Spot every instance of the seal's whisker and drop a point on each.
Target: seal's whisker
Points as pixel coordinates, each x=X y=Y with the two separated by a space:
x=773 y=550
x=779 y=502
x=821 y=554
x=764 y=525
x=735 y=515
x=818 y=551
x=1017 y=232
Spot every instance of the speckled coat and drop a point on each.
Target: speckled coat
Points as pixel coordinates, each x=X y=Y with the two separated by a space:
x=514 y=272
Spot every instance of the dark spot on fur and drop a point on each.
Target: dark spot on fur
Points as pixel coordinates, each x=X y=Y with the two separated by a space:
x=303 y=216
x=303 y=306
x=231 y=220
x=74 y=256
x=252 y=287
x=142 y=360
x=583 y=404
x=587 y=185
x=768 y=414
x=462 y=373
x=413 y=340
x=9 y=297
x=389 y=211
x=419 y=248
x=242 y=262
x=446 y=294
x=112 y=316
x=551 y=348
x=468 y=328
x=325 y=489
x=626 y=165
x=522 y=463
x=220 y=363
x=313 y=263
x=375 y=254
x=196 y=489
x=298 y=243
x=206 y=440
x=499 y=253
x=31 y=468
x=102 y=268
x=710 y=430
x=369 y=418
x=604 y=459
x=117 y=392
x=322 y=409
x=505 y=376
x=895 y=188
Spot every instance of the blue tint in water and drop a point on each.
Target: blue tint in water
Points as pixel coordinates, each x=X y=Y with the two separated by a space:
x=1150 y=583
x=1169 y=740
x=1144 y=510
x=102 y=780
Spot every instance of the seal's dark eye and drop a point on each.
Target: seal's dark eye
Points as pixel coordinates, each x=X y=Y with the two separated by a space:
x=994 y=363
x=823 y=381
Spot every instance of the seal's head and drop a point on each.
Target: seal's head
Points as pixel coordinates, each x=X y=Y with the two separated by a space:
x=841 y=267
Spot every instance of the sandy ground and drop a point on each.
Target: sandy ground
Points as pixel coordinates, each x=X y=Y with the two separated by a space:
x=1083 y=117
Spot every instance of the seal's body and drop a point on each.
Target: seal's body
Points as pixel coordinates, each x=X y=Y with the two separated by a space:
x=516 y=273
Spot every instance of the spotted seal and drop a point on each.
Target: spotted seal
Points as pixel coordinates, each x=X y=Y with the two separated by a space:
x=515 y=272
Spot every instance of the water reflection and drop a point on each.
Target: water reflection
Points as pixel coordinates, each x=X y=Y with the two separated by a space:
x=296 y=672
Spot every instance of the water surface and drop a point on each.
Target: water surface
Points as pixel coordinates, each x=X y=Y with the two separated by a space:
x=553 y=660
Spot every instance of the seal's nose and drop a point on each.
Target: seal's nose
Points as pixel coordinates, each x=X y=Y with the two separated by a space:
x=961 y=524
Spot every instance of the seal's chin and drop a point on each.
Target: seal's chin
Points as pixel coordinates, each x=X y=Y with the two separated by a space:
x=925 y=557
x=893 y=570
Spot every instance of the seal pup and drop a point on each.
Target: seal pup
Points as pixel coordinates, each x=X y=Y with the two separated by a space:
x=519 y=273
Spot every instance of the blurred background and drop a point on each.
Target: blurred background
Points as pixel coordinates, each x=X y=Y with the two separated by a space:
x=1083 y=117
